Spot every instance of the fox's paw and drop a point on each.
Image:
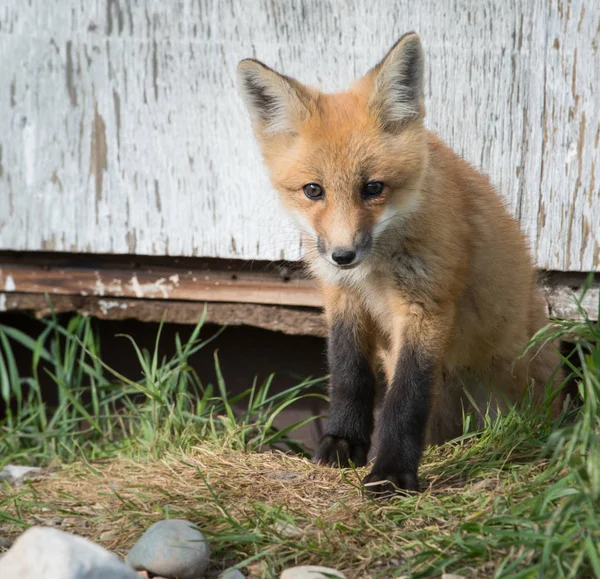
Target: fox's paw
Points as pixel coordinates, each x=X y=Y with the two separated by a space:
x=337 y=451
x=386 y=484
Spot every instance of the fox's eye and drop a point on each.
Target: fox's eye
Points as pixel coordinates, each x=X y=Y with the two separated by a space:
x=313 y=191
x=372 y=189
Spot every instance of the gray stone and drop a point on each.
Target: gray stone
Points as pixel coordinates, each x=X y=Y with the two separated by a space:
x=17 y=475
x=235 y=574
x=45 y=553
x=311 y=572
x=5 y=542
x=171 y=548
x=286 y=529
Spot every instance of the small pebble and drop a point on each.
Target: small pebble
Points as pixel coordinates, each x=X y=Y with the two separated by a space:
x=311 y=572
x=235 y=574
x=16 y=475
x=287 y=529
x=172 y=548
x=5 y=543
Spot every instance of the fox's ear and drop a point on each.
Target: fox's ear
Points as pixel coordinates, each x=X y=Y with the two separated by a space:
x=277 y=103
x=398 y=91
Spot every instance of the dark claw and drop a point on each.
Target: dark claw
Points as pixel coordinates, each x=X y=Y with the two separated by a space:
x=386 y=485
x=339 y=452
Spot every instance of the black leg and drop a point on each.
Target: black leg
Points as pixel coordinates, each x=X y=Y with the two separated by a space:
x=403 y=423
x=348 y=433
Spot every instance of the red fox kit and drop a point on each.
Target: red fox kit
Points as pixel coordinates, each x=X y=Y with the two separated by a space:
x=424 y=274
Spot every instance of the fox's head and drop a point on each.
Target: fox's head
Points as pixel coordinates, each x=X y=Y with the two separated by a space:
x=349 y=165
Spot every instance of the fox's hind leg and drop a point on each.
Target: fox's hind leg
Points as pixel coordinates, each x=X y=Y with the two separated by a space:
x=445 y=418
x=541 y=366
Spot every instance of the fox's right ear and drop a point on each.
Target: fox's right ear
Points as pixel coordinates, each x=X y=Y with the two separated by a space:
x=277 y=103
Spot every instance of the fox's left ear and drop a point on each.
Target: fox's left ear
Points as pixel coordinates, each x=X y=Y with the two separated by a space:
x=398 y=85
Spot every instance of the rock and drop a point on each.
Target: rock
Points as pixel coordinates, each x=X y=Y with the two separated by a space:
x=235 y=574
x=173 y=548
x=16 y=475
x=45 y=553
x=5 y=542
x=311 y=572
x=286 y=529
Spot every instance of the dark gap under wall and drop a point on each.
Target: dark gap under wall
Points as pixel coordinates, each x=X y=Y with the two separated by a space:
x=244 y=352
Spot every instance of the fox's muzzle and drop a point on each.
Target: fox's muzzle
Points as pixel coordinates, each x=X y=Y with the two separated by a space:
x=346 y=256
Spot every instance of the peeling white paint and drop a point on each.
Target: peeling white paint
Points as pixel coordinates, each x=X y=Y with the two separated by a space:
x=571 y=153
x=135 y=286
x=114 y=288
x=512 y=87
x=29 y=145
x=2 y=302
x=9 y=284
x=99 y=288
x=107 y=305
x=158 y=288
x=175 y=279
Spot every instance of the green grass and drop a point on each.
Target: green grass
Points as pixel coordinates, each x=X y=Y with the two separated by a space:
x=100 y=412
x=518 y=499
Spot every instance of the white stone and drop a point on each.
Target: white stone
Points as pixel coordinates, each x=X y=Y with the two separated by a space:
x=46 y=553
x=311 y=572
x=16 y=474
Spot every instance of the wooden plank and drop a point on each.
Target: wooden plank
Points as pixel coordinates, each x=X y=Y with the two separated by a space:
x=289 y=320
x=118 y=281
x=569 y=191
x=161 y=283
x=564 y=291
x=286 y=319
x=121 y=130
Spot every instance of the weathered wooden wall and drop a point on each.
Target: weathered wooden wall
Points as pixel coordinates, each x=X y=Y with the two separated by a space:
x=121 y=130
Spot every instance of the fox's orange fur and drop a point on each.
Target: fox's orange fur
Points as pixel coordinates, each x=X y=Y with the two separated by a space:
x=444 y=273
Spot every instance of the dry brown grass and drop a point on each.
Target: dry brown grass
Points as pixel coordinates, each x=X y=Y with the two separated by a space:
x=269 y=511
x=244 y=501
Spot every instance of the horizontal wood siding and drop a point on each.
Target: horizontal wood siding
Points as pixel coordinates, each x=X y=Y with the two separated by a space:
x=121 y=130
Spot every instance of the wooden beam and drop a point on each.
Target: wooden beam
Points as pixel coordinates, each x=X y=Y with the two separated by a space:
x=289 y=320
x=562 y=292
x=161 y=282
x=145 y=287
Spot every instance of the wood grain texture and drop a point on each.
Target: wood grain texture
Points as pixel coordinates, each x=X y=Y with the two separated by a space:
x=287 y=298
x=161 y=283
x=569 y=217
x=121 y=130
x=285 y=319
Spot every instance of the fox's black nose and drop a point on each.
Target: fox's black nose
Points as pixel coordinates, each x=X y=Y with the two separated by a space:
x=343 y=256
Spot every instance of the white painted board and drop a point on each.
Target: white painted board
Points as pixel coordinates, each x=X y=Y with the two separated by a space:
x=121 y=130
